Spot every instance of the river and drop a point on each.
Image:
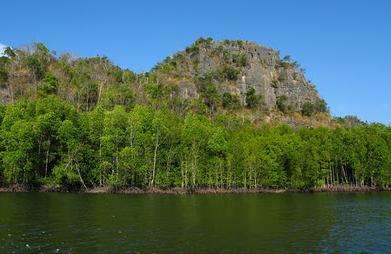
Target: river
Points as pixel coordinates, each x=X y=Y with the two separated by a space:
x=229 y=223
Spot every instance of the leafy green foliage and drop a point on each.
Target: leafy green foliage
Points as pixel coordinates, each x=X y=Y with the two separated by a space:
x=48 y=141
x=4 y=61
x=230 y=101
x=282 y=104
x=308 y=108
x=230 y=73
x=240 y=59
x=209 y=93
x=287 y=62
x=194 y=48
x=252 y=100
x=48 y=85
x=349 y=121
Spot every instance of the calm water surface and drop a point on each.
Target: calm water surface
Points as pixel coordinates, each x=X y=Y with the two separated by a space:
x=263 y=223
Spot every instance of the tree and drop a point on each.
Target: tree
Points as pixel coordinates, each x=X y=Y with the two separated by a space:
x=252 y=100
x=194 y=139
x=19 y=158
x=118 y=95
x=230 y=101
x=230 y=73
x=4 y=66
x=217 y=153
x=282 y=103
x=163 y=133
x=114 y=138
x=209 y=93
x=48 y=85
x=309 y=108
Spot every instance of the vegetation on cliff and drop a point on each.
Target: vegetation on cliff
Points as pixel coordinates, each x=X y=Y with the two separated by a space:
x=80 y=123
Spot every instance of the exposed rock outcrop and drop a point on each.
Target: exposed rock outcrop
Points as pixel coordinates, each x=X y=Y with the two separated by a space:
x=236 y=66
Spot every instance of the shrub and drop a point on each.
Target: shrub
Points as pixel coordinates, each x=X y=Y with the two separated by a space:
x=154 y=91
x=35 y=66
x=349 y=121
x=208 y=92
x=230 y=73
x=3 y=70
x=201 y=41
x=48 y=85
x=240 y=59
x=321 y=106
x=287 y=62
x=252 y=100
x=282 y=103
x=230 y=101
x=308 y=108
x=192 y=49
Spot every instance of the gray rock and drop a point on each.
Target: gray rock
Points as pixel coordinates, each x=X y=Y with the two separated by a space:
x=263 y=70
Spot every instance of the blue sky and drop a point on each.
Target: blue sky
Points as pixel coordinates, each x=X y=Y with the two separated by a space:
x=345 y=46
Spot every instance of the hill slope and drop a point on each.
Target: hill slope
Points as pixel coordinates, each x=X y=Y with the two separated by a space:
x=209 y=77
x=236 y=67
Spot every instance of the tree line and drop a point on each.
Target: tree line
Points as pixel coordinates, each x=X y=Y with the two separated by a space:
x=48 y=141
x=84 y=122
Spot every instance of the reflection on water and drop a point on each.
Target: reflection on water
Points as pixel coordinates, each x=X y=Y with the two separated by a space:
x=76 y=223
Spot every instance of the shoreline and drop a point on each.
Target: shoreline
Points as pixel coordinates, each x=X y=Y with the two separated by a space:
x=196 y=191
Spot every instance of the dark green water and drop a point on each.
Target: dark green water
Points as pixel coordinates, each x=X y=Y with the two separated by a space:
x=264 y=223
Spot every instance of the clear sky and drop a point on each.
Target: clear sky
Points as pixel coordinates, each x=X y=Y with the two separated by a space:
x=345 y=46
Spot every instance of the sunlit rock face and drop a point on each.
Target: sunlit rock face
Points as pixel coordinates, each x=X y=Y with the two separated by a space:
x=237 y=66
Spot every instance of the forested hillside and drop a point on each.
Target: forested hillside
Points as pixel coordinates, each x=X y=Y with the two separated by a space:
x=229 y=77
x=79 y=123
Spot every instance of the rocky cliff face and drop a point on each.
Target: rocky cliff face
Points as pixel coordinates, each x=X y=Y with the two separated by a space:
x=235 y=67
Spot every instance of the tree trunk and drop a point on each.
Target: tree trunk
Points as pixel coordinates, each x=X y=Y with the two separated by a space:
x=81 y=179
x=47 y=159
x=154 y=161
x=100 y=92
x=100 y=160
